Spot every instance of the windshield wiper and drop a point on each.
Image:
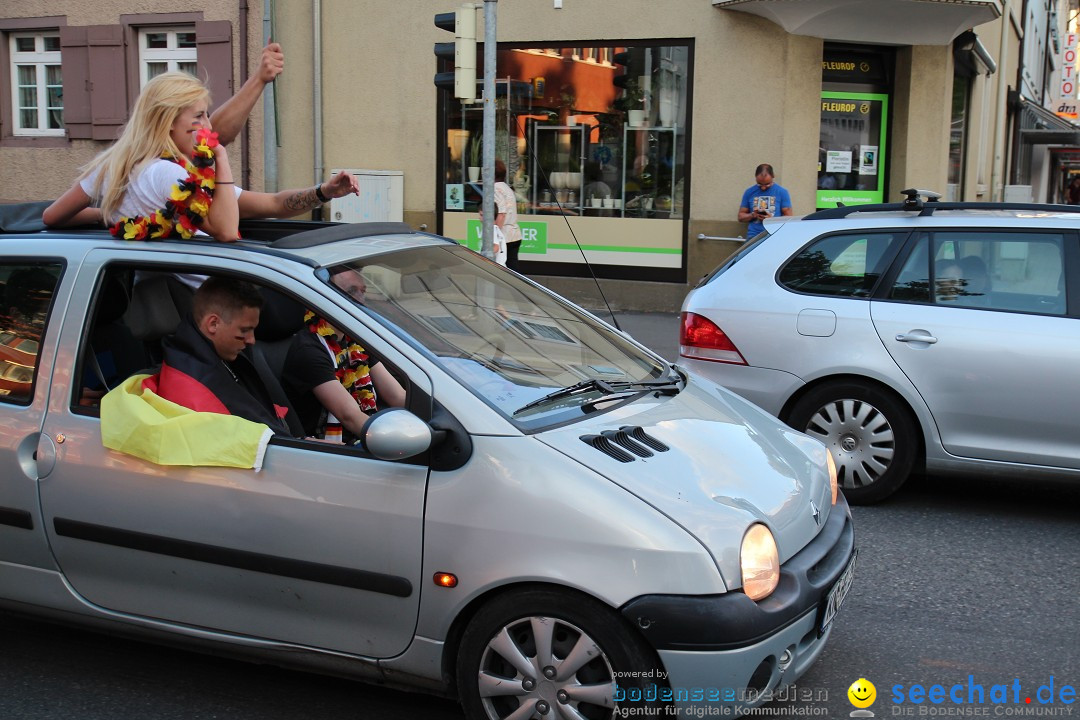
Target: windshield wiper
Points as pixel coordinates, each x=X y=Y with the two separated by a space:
x=663 y=385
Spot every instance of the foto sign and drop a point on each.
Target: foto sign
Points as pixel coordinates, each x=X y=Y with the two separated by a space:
x=1068 y=67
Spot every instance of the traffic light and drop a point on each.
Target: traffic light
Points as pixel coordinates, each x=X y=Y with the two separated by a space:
x=461 y=22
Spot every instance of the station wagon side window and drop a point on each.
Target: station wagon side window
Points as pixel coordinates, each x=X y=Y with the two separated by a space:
x=1014 y=271
x=846 y=265
x=27 y=290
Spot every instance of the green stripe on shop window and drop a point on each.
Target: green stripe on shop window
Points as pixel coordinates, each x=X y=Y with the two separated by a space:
x=615 y=248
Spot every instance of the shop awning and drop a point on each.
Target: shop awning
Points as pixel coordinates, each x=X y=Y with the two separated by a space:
x=885 y=22
x=1039 y=126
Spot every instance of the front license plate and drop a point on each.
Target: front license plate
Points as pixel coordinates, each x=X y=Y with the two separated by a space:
x=838 y=593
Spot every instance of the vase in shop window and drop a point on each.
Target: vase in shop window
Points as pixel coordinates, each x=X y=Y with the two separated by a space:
x=666 y=107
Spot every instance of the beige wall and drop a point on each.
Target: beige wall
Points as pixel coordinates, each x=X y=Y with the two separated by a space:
x=922 y=109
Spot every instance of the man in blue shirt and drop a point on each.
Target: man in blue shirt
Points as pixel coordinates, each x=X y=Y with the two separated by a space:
x=763 y=200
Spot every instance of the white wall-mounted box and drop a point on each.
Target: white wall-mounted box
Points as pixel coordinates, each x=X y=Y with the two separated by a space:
x=381 y=198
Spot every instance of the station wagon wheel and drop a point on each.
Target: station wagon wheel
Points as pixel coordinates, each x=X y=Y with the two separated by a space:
x=870 y=434
x=548 y=654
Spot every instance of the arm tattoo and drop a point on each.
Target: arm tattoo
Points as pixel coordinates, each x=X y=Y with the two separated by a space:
x=301 y=200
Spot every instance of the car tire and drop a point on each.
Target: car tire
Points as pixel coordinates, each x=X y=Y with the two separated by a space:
x=502 y=662
x=869 y=432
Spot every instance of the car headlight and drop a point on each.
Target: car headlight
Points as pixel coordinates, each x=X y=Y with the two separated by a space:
x=833 y=483
x=760 y=562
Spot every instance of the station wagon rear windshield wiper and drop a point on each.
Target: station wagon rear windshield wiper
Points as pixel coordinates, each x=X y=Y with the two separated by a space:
x=665 y=385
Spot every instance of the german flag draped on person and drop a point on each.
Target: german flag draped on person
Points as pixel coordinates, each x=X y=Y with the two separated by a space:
x=208 y=392
x=137 y=421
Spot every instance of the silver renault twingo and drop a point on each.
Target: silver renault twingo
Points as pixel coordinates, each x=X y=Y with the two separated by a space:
x=557 y=523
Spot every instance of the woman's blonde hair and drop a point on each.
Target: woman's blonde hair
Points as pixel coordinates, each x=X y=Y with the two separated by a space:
x=145 y=137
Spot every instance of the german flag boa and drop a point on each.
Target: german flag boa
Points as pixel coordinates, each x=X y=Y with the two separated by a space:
x=351 y=361
x=189 y=204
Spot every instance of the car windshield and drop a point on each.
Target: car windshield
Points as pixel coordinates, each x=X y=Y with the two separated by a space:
x=534 y=358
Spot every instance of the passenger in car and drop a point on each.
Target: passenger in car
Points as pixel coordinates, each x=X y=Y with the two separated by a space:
x=332 y=381
x=207 y=364
x=160 y=178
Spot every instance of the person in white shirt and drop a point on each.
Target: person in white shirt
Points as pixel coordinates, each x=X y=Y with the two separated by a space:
x=506 y=218
x=163 y=176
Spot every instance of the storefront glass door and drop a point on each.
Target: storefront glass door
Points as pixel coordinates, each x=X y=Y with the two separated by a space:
x=851 y=151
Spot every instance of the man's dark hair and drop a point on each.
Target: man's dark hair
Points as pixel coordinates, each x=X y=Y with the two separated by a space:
x=500 y=171
x=224 y=296
x=764 y=167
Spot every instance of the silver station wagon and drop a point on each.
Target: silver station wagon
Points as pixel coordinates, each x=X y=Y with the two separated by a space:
x=906 y=336
x=557 y=524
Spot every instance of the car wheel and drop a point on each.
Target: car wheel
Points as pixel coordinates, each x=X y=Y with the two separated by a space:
x=869 y=432
x=549 y=654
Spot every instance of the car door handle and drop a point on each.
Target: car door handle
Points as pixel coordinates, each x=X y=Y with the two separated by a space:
x=916 y=337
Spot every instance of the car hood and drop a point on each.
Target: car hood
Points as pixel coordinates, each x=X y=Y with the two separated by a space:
x=727 y=466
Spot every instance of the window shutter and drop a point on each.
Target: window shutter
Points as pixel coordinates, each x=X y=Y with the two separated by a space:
x=213 y=40
x=74 y=62
x=108 y=80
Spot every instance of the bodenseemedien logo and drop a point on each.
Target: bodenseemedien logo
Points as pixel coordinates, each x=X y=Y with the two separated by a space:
x=862 y=695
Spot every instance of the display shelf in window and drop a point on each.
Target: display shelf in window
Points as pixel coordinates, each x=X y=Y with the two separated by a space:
x=558 y=159
x=649 y=172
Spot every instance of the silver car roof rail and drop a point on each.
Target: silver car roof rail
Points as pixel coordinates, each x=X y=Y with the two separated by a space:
x=915 y=203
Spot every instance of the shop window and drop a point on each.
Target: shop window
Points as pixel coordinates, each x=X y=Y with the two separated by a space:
x=37 y=98
x=852 y=154
x=598 y=133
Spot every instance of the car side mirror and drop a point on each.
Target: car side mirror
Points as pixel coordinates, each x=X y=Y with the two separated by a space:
x=396 y=434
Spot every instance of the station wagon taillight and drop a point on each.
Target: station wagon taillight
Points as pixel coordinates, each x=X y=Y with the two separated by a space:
x=702 y=339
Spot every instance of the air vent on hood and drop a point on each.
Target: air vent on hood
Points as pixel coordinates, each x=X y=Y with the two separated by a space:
x=644 y=438
x=615 y=443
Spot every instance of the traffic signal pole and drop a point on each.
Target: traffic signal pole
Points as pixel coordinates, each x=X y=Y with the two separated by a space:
x=488 y=149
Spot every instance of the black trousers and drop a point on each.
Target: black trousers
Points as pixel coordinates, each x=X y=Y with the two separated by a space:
x=512 y=255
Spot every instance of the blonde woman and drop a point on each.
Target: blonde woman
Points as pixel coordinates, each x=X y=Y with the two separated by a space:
x=168 y=176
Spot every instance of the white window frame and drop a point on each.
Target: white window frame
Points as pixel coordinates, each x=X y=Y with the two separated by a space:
x=40 y=59
x=171 y=54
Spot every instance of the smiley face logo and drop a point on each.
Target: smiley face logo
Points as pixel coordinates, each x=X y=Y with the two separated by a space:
x=862 y=693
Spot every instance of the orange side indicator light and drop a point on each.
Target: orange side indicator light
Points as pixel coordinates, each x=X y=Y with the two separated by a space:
x=445 y=579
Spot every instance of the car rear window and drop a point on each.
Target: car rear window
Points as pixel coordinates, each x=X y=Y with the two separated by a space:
x=26 y=289
x=847 y=265
x=735 y=257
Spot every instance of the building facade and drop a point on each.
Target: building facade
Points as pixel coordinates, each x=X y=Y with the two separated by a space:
x=629 y=129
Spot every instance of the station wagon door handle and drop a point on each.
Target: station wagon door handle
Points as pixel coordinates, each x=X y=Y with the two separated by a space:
x=918 y=336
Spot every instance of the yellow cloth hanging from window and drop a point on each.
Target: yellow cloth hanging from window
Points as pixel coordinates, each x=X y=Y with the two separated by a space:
x=136 y=421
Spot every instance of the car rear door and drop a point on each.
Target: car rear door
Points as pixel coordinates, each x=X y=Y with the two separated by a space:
x=322 y=547
x=978 y=321
x=33 y=293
